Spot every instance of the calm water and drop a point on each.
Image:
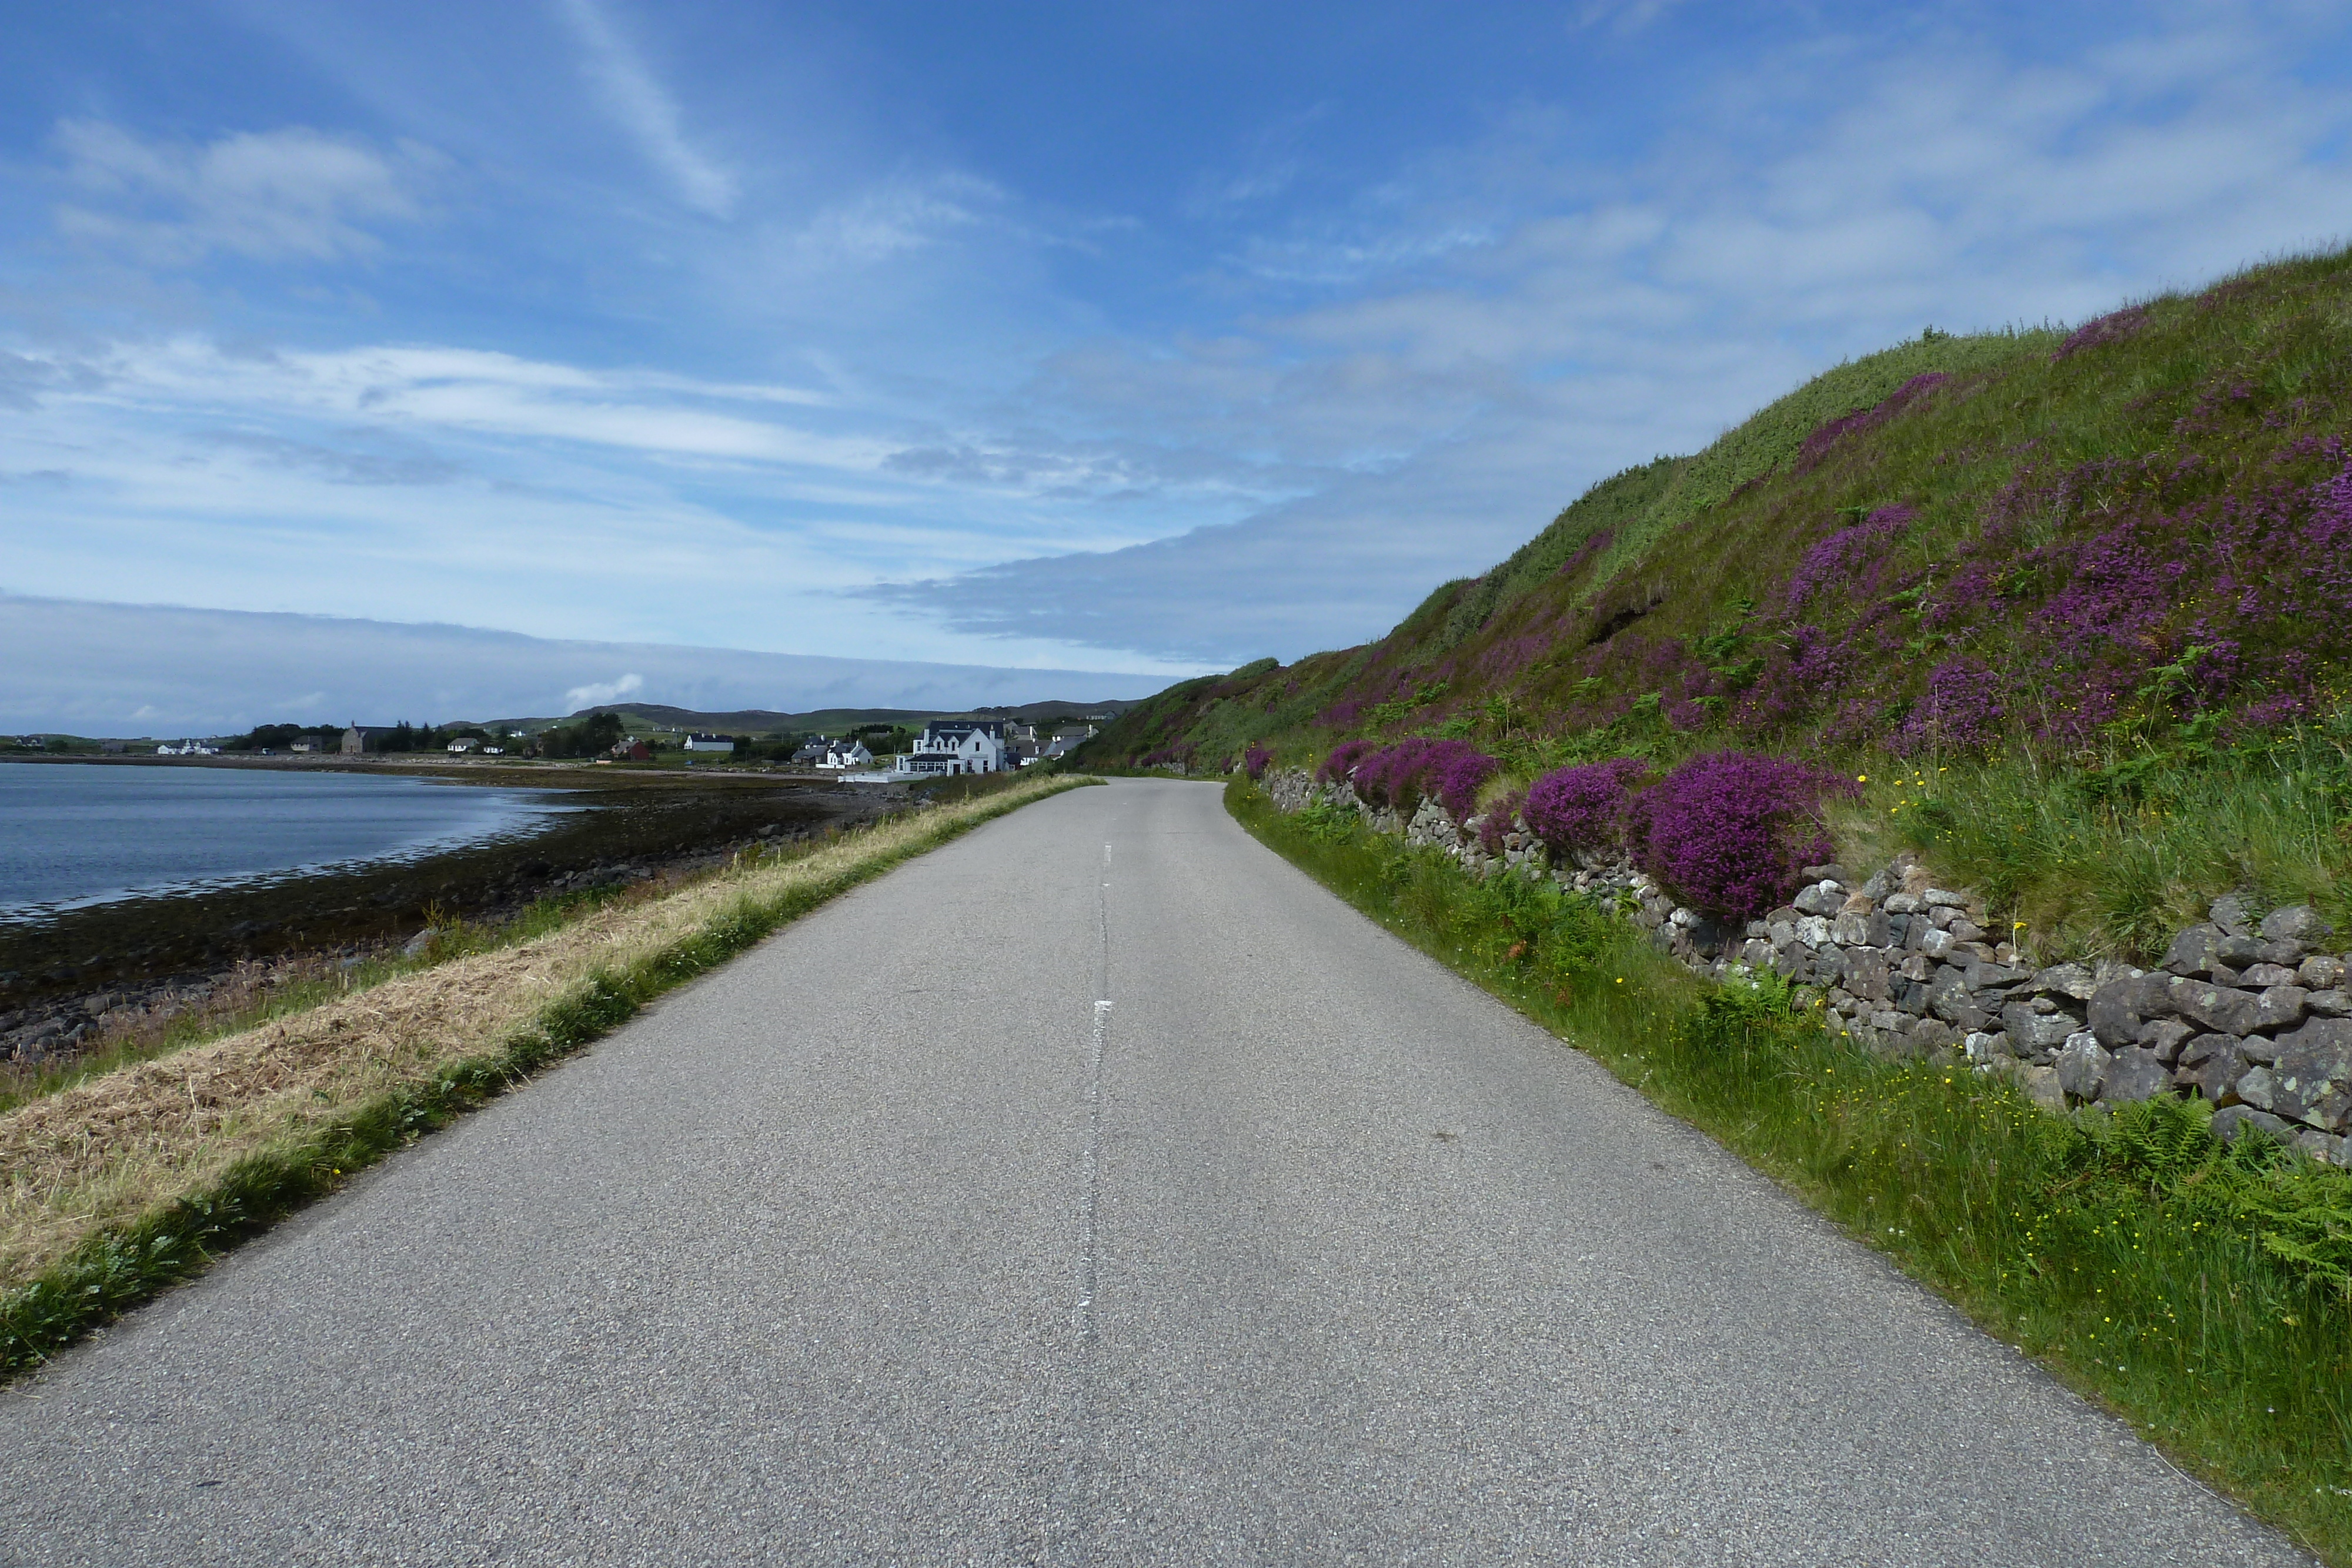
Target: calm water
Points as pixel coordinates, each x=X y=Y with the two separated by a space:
x=82 y=834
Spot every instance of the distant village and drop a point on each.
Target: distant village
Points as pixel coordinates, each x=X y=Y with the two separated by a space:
x=870 y=752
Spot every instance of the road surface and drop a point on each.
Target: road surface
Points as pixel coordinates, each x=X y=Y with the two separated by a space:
x=1097 y=1190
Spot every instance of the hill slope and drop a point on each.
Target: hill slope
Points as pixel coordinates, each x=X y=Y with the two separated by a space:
x=2093 y=551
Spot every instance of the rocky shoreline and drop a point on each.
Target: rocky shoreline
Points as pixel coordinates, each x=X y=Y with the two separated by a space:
x=117 y=972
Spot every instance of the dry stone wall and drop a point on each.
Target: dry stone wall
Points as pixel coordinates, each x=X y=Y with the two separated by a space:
x=2251 y=1015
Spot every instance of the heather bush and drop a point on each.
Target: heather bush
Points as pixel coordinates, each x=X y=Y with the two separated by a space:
x=1256 y=759
x=1840 y=557
x=1455 y=772
x=2112 y=327
x=1389 y=776
x=1340 y=764
x=1962 y=709
x=1500 y=814
x=1817 y=446
x=1582 y=808
x=1399 y=777
x=1729 y=832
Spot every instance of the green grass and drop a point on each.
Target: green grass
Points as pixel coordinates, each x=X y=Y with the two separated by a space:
x=2114 y=854
x=123 y=1266
x=2198 y=1291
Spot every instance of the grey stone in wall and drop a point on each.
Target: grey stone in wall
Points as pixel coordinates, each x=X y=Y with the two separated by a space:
x=2070 y=980
x=1931 y=1034
x=2082 y=1064
x=2312 y=1075
x=2320 y=1146
x=2135 y=1073
x=2297 y=923
x=2237 y=952
x=2211 y=1065
x=2214 y=1007
x=1867 y=975
x=2166 y=1037
x=2192 y=952
x=2230 y=1122
x=1822 y=898
x=2037 y=1034
x=2118 y=1009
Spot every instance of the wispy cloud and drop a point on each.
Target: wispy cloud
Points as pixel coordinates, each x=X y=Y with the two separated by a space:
x=898 y=215
x=597 y=693
x=645 y=109
x=1625 y=16
x=362 y=457
x=424 y=388
x=274 y=195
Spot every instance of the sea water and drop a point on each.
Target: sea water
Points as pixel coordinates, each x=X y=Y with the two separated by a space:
x=72 y=835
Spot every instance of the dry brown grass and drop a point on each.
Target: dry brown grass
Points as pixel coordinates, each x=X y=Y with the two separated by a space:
x=104 y=1150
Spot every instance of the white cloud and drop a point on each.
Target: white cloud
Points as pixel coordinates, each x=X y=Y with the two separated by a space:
x=291 y=194
x=461 y=391
x=183 y=472
x=598 y=693
x=898 y=216
x=645 y=109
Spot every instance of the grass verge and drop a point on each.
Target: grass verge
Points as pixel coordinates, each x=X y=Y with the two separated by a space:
x=118 y=1186
x=262 y=990
x=2114 y=850
x=2198 y=1290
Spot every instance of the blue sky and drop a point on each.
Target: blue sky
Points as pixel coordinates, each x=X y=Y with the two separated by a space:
x=1128 y=339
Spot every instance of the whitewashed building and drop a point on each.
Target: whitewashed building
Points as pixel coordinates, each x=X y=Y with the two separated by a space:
x=954 y=745
x=846 y=754
x=710 y=743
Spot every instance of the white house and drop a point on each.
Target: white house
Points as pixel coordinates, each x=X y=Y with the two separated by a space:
x=710 y=743
x=463 y=743
x=955 y=746
x=846 y=754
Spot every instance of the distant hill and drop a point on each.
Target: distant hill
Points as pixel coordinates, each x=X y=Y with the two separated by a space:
x=761 y=721
x=1950 y=545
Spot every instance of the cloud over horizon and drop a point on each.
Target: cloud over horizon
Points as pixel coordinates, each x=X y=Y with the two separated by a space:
x=148 y=670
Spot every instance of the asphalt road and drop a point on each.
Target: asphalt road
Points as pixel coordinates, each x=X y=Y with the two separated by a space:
x=1093 y=1190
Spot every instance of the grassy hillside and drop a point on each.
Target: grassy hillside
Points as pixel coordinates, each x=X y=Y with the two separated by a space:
x=2078 y=604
